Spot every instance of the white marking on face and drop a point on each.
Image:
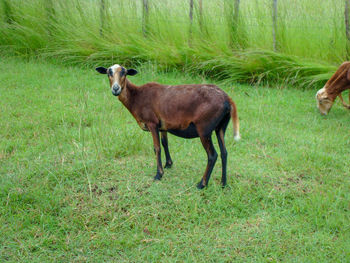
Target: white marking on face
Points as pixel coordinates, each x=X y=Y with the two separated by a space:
x=321 y=91
x=323 y=103
x=116 y=87
x=114 y=68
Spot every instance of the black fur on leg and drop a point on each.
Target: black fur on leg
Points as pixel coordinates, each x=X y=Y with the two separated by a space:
x=168 y=162
x=212 y=156
x=157 y=149
x=220 y=134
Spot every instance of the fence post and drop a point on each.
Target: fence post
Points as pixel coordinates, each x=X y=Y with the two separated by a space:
x=50 y=10
x=191 y=22
x=102 y=16
x=232 y=17
x=274 y=24
x=235 y=19
x=7 y=12
x=201 y=15
x=145 y=13
x=347 y=28
x=236 y=13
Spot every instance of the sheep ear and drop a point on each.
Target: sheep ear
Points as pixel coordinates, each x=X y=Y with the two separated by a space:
x=131 y=72
x=101 y=70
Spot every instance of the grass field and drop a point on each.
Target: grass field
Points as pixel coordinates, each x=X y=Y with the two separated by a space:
x=77 y=185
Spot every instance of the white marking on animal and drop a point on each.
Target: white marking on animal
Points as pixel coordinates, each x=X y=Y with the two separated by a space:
x=114 y=67
x=237 y=137
x=321 y=91
x=116 y=84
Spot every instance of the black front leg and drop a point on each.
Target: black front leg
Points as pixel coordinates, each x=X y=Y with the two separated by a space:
x=155 y=135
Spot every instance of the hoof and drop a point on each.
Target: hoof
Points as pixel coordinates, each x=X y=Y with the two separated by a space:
x=200 y=185
x=168 y=165
x=158 y=177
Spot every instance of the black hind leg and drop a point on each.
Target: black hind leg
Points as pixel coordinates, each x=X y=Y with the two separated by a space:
x=168 y=161
x=220 y=134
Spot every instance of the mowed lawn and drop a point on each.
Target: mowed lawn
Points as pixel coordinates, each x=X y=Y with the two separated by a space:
x=76 y=176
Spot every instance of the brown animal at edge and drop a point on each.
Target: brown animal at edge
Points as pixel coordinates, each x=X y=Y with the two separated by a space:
x=339 y=82
x=187 y=111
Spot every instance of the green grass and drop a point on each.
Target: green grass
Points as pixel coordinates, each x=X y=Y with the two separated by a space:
x=310 y=36
x=77 y=185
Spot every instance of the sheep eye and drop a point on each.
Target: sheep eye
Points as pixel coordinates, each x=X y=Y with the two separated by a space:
x=110 y=72
x=122 y=72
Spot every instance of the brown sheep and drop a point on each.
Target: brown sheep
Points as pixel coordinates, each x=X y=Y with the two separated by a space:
x=339 y=82
x=187 y=111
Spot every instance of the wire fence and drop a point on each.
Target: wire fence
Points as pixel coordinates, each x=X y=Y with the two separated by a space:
x=193 y=16
x=235 y=17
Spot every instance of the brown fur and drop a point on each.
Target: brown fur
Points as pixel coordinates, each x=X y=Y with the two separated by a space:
x=174 y=107
x=162 y=108
x=338 y=83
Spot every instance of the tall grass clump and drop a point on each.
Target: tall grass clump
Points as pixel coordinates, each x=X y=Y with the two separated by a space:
x=230 y=40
